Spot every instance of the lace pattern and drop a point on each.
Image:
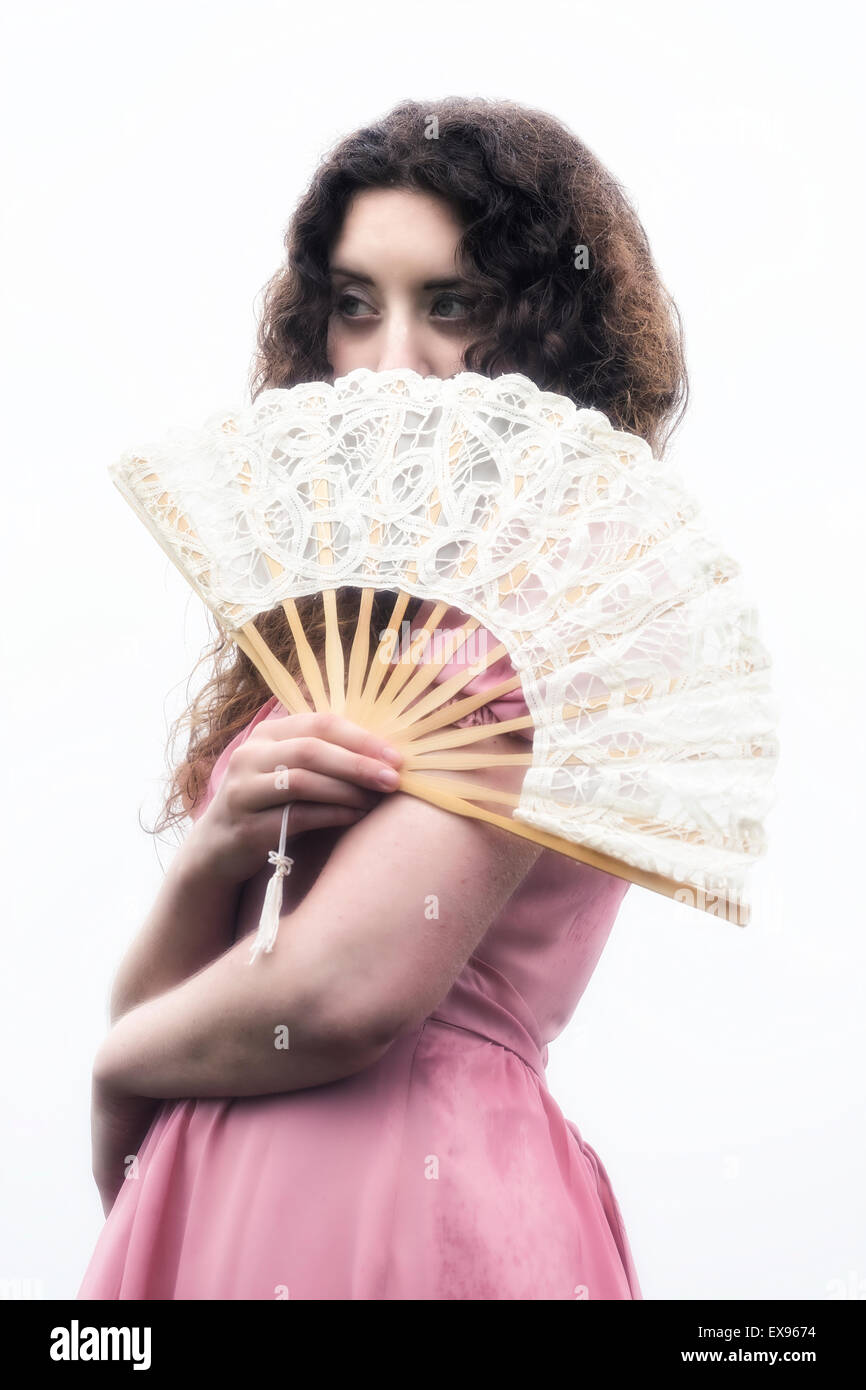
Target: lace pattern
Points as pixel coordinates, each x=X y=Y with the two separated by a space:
x=639 y=654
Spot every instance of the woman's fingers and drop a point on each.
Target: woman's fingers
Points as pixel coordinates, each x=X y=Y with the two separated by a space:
x=275 y=787
x=330 y=728
x=305 y=815
x=327 y=770
x=329 y=760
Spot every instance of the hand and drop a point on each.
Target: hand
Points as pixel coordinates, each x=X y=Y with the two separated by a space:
x=118 y=1125
x=333 y=776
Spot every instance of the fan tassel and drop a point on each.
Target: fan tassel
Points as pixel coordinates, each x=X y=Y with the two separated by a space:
x=269 y=922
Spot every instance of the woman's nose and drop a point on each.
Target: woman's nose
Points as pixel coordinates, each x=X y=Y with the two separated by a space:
x=401 y=345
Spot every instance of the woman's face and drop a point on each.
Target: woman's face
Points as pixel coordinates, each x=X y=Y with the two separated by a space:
x=397 y=296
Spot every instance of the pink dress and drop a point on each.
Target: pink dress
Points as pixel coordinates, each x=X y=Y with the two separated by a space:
x=446 y=1170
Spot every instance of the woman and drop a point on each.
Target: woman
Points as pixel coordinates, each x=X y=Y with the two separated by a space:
x=365 y=1114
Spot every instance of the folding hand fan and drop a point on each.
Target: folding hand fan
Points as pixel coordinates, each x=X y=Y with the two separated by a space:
x=653 y=745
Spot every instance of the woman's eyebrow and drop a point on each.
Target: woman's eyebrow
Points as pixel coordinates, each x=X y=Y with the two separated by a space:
x=448 y=283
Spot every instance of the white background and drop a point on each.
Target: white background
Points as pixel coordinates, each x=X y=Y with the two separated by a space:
x=151 y=159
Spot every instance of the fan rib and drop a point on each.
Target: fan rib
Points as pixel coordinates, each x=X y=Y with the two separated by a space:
x=403 y=668
x=379 y=665
x=715 y=902
x=427 y=672
x=359 y=655
x=283 y=685
x=459 y=710
x=306 y=657
x=455 y=738
x=335 y=665
x=445 y=759
x=452 y=686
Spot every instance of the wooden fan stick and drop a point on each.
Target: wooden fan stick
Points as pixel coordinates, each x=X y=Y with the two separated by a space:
x=455 y=795
x=379 y=664
x=718 y=903
x=444 y=691
x=469 y=791
x=447 y=715
x=418 y=755
x=360 y=654
x=470 y=703
x=472 y=792
x=281 y=682
x=382 y=704
x=285 y=688
x=454 y=738
x=283 y=685
x=306 y=656
x=422 y=761
x=407 y=664
x=379 y=713
x=426 y=673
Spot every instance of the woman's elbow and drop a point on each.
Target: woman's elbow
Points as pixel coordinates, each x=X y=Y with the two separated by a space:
x=360 y=1025
x=372 y=1017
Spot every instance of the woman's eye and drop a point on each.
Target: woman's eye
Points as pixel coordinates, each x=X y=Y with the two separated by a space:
x=344 y=303
x=447 y=306
x=462 y=306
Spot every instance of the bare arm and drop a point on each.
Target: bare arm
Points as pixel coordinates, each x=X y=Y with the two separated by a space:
x=358 y=962
x=191 y=922
x=334 y=767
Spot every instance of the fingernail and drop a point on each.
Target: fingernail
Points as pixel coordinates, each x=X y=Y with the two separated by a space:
x=388 y=777
x=392 y=754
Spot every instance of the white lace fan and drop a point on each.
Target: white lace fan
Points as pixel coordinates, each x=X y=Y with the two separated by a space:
x=653 y=746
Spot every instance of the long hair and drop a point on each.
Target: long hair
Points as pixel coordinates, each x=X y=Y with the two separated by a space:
x=563 y=289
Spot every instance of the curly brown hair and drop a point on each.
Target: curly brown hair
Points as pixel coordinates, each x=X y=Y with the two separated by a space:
x=527 y=193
